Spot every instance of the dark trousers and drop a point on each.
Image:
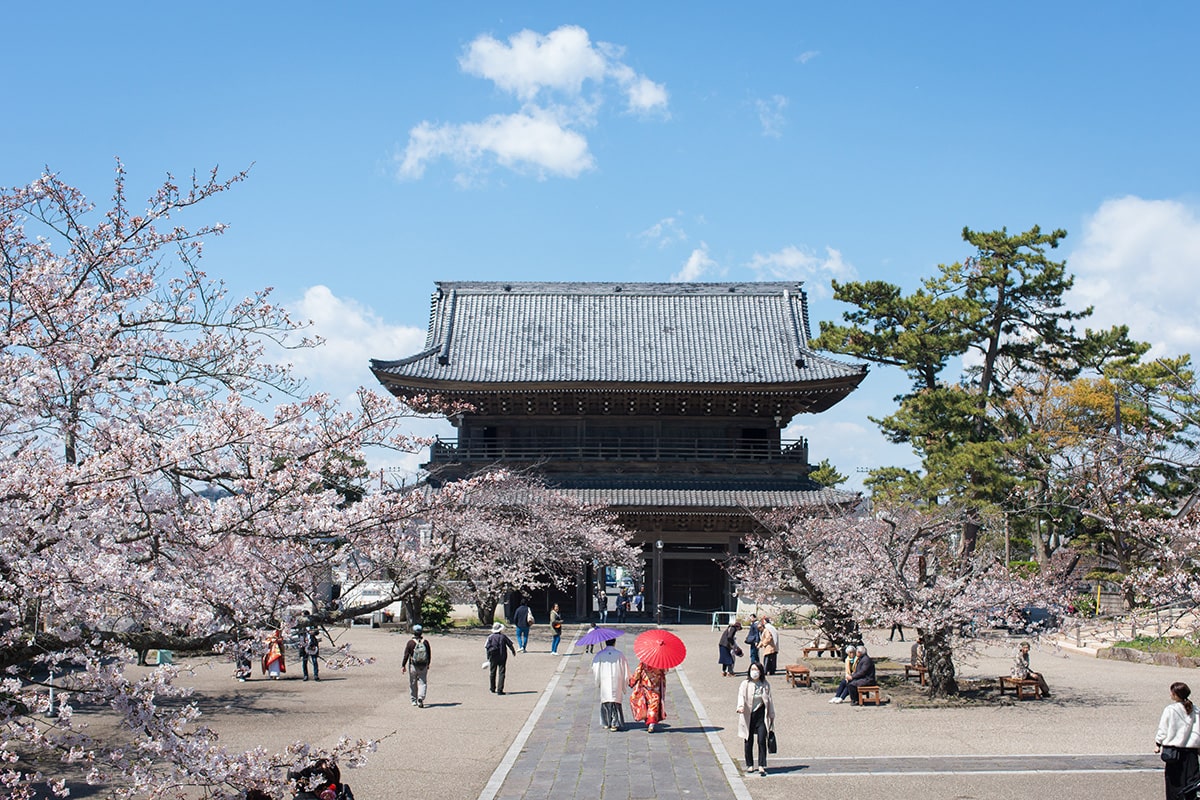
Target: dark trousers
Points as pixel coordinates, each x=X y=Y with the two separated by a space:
x=758 y=730
x=611 y=715
x=769 y=663
x=753 y=653
x=496 y=676
x=304 y=665
x=1180 y=774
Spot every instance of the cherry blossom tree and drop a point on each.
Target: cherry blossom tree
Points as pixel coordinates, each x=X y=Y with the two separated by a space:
x=518 y=535
x=148 y=500
x=897 y=564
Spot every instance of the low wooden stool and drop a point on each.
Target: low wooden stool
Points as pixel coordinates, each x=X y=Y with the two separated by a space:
x=798 y=675
x=869 y=694
x=1024 y=688
x=921 y=672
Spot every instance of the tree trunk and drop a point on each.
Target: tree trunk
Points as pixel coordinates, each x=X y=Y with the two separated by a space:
x=412 y=607
x=939 y=662
x=485 y=607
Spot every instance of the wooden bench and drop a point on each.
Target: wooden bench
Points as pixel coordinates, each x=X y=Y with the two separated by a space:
x=916 y=669
x=1023 y=688
x=833 y=650
x=869 y=694
x=798 y=675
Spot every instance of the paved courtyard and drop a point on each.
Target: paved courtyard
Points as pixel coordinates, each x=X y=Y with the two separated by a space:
x=543 y=738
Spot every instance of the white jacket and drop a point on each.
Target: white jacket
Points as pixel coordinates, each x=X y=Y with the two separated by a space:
x=611 y=671
x=745 y=706
x=1177 y=728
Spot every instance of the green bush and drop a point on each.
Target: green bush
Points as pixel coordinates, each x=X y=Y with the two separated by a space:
x=435 y=612
x=1163 y=644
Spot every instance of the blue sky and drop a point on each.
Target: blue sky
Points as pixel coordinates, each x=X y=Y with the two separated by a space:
x=394 y=144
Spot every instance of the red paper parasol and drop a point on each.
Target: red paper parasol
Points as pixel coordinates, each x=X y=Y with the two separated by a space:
x=661 y=649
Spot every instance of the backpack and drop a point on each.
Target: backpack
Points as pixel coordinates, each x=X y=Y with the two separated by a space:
x=420 y=653
x=312 y=645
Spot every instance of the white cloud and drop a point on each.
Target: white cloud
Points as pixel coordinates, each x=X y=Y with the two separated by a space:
x=666 y=232
x=1138 y=263
x=698 y=265
x=559 y=79
x=807 y=56
x=794 y=263
x=560 y=60
x=535 y=142
x=770 y=114
x=353 y=334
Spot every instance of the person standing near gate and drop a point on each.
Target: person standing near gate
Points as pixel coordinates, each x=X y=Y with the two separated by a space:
x=310 y=650
x=611 y=671
x=523 y=620
x=753 y=637
x=497 y=647
x=417 y=658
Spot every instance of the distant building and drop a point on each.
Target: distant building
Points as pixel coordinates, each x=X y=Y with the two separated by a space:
x=665 y=402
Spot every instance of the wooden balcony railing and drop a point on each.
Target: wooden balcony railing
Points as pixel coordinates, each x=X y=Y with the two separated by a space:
x=451 y=450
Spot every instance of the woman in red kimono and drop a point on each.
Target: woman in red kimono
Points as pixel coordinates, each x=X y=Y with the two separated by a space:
x=272 y=662
x=649 y=687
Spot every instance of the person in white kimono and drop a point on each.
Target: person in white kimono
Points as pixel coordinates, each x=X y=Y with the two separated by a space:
x=611 y=671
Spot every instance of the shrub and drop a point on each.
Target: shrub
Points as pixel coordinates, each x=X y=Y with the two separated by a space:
x=435 y=612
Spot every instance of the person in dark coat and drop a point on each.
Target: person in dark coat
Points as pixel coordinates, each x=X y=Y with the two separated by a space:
x=753 y=637
x=728 y=650
x=863 y=675
x=497 y=647
x=522 y=619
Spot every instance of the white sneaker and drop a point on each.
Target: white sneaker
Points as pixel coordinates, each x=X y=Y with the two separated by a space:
x=835 y=700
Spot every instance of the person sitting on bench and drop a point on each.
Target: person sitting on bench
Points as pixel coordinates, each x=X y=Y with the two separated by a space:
x=864 y=675
x=1021 y=670
x=917 y=655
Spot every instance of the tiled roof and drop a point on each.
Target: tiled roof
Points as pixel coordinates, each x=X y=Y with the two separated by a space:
x=642 y=333
x=675 y=499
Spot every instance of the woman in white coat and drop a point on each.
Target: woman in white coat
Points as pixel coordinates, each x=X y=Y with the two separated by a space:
x=1178 y=738
x=756 y=716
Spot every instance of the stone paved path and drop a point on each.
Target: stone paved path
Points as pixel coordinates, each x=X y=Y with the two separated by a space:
x=568 y=755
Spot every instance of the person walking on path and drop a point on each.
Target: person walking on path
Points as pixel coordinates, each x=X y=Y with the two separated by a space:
x=863 y=675
x=273 y=663
x=602 y=603
x=649 y=686
x=523 y=621
x=768 y=645
x=611 y=672
x=896 y=628
x=1177 y=740
x=556 y=623
x=310 y=649
x=756 y=716
x=753 y=637
x=417 y=657
x=1021 y=670
x=728 y=650
x=497 y=647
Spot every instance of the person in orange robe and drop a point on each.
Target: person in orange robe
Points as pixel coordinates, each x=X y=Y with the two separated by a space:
x=649 y=688
x=273 y=663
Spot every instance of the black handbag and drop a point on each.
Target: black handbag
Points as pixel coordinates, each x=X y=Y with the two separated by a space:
x=1171 y=755
x=772 y=745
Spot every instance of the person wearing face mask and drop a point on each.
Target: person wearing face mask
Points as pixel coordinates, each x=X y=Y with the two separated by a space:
x=756 y=716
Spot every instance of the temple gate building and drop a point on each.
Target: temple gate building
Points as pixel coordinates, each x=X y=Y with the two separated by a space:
x=665 y=402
